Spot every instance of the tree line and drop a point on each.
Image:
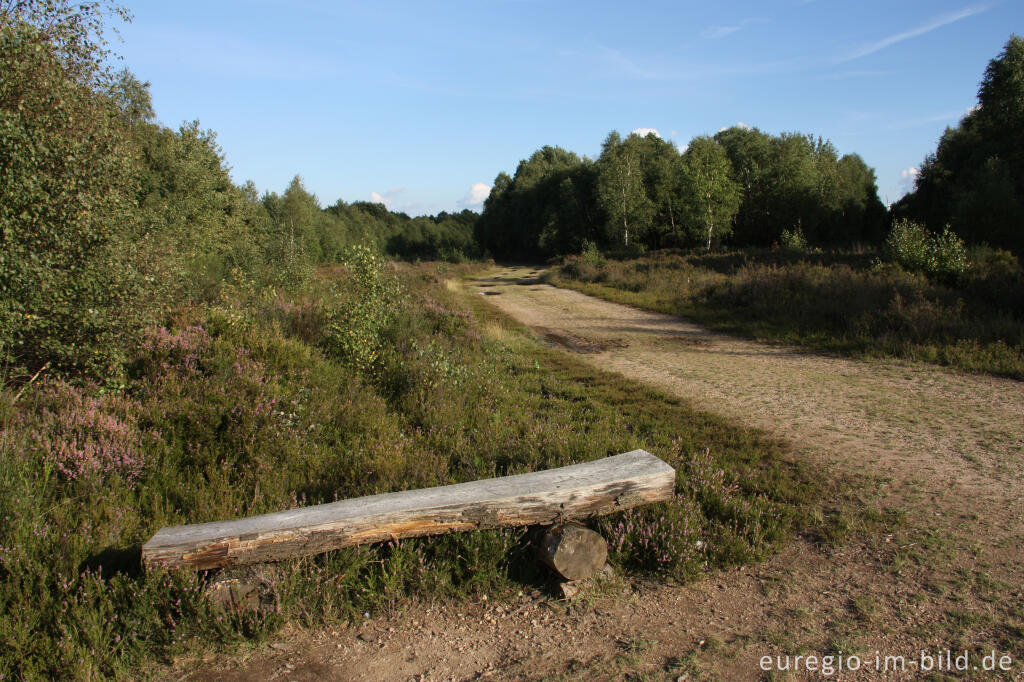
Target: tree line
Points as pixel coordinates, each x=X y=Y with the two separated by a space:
x=974 y=181
x=741 y=187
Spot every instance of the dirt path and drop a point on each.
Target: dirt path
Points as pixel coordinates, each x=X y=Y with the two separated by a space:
x=938 y=451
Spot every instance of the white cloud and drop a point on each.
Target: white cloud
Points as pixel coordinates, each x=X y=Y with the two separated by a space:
x=476 y=195
x=644 y=132
x=926 y=27
x=908 y=176
x=388 y=198
x=683 y=147
x=739 y=124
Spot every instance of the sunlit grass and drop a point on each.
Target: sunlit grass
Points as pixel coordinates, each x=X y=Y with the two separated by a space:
x=242 y=407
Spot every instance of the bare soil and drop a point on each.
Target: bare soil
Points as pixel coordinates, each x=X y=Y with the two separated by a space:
x=935 y=454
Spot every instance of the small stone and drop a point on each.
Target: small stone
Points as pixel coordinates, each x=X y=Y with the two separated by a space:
x=365 y=636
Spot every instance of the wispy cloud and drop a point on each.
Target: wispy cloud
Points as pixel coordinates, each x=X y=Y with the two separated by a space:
x=926 y=120
x=624 y=65
x=644 y=132
x=230 y=56
x=857 y=73
x=718 y=31
x=714 y=32
x=606 y=62
x=927 y=27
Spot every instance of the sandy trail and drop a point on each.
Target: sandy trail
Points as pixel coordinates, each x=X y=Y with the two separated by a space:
x=943 y=448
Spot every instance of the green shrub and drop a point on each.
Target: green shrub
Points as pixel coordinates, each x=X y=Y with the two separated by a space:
x=591 y=255
x=947 y=255
x=355 y=329
x=911 y=245
x=793 y=240
x=907 y=244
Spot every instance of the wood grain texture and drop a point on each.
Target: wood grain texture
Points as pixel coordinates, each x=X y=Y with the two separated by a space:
x=542 y=497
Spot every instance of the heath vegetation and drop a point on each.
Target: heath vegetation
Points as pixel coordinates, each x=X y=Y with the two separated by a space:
x=177 y=348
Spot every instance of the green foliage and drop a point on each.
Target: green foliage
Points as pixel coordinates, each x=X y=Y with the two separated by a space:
x=794 y=239
x=621 y=193
x=947 y=254
x=199 y=230
x=354 y=332
x=974 y=182
x=713 y=197
x=643 y=193
x=229 y=411
x=910 y=245
x=795 y=179
x=546 y=209
x=591 y=255
x=66 y=291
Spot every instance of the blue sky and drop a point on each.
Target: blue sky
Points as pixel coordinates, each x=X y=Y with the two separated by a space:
x=421 y=104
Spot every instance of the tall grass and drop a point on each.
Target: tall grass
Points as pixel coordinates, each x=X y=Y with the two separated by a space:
x=849 y=303
x=252 y=405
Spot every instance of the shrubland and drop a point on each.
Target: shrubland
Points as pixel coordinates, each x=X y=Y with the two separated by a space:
x=176 y=348
x=250 y=404
x=925 y=298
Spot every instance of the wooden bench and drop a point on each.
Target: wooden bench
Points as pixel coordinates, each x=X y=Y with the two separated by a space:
x=542 y=497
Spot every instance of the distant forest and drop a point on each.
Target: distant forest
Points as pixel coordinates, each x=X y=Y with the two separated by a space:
x=741 y=187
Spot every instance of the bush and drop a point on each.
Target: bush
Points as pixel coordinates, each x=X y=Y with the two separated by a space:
x=793 y=240
x=947 y=254
x=355 y=328
x=907 y=244
x=910 y=245
x=591 y=255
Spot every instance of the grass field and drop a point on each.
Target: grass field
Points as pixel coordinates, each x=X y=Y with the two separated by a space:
x=377 y=378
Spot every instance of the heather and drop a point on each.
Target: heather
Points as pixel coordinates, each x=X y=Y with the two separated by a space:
x=176 y=348
x=924 y=298
x=252 y=404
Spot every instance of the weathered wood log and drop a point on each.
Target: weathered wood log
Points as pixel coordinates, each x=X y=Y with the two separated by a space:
x=542 y=497
x=575 y=552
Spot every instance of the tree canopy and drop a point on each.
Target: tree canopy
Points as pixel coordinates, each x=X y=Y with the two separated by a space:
x=974 y=181
x=642 y=192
